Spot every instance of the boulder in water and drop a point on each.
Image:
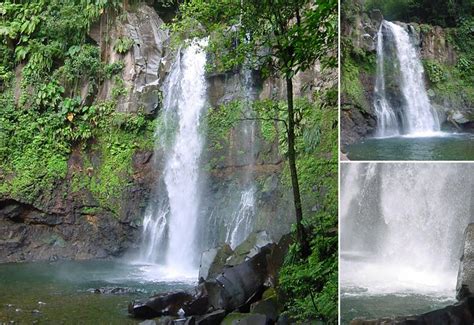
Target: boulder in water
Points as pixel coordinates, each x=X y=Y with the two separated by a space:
x=166 y=304
x=465 y=282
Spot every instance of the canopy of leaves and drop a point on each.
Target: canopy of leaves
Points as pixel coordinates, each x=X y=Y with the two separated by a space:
x=436 y=12
x=287 y=35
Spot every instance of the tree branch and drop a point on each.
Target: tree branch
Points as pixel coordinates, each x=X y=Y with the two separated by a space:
x=264 y=119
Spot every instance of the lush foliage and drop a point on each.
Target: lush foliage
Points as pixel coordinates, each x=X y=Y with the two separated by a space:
x=311 y=285
x=281 y=38
x=47 y=113
x=249 y=31
x=436 y=12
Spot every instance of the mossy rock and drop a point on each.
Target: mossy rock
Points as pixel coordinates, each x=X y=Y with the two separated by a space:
x=244 y=319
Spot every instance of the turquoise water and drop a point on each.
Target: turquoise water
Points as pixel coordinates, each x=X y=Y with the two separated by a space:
x=442 y=147
x=63 y=292
x=356 y=304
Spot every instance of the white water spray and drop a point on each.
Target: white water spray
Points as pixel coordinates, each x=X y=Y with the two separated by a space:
x=241 y=224
x=387 y=124
x=170 y=225
x=405 y=233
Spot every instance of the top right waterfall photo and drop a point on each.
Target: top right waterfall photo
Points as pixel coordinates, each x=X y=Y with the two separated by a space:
x=407 y=80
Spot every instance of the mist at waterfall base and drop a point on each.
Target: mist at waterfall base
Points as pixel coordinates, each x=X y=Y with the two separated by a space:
x=408 y=127
x=64 y=291
x=402 y=228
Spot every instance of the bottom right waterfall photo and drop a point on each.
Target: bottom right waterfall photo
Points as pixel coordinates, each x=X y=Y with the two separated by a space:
x=406 y=243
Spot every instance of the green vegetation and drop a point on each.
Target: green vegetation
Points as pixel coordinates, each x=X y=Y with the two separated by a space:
x=46 y=114
x=279 y=39
x=450 y=76
x=55 y=134
x=435 y=12
x=311 y=285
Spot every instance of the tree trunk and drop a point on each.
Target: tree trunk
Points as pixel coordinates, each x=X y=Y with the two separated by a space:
x=300 y=233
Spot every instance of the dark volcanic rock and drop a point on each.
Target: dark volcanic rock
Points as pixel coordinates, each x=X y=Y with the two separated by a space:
x=213 y=318
x=236 y=287
x=241 y=282
x=213 y=261
x=160 y=305
x=245 y=319
x=465 y=282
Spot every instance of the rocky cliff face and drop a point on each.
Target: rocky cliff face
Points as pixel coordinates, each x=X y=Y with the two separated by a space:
x=439 y=55
x=67 y=223
x=72 y=221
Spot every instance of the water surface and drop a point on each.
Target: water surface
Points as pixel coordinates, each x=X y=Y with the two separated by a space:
x=440 y=147
x=63 y=292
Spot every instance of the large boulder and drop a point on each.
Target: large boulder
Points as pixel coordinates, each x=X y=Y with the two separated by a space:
x=240 y=283
x=268 y=306
x=244 y=319
x=465 y=282
x=213 y=261
x=249 y=248
x=165 y=304
x=212 y=318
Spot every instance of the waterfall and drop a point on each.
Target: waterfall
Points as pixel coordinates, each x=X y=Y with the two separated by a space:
x=413 y=114
x=386 y=120
x=241 y=223
x=403 y=231
x=169 y=225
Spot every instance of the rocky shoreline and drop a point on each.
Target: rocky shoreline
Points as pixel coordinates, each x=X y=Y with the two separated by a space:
x=235 y=287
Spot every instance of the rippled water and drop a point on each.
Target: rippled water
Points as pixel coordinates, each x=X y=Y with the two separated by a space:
x=442 y=146
x=63 y=292
x=355 y=304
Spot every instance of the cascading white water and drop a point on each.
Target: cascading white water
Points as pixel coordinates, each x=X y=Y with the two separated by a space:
x=170 y=225
x=241 y=224
x=405 y=233
x=242 y=219
x=387 y=124
x=419 y=118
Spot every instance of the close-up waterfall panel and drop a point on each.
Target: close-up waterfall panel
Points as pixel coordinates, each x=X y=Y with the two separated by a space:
x=169 y=162
x=407 y=76
x=406 y=252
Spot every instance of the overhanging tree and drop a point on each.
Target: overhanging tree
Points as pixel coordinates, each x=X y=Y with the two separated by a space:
x=282 y=37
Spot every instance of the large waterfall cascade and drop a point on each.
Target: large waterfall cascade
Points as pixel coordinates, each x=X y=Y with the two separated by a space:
x=416 y=117
x=169 y=225
x=402 y=228
x=169 y=238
